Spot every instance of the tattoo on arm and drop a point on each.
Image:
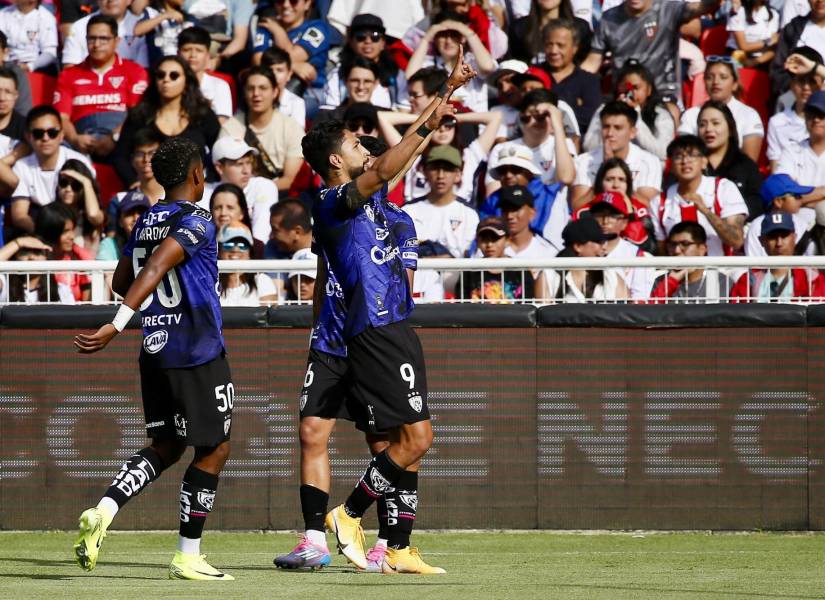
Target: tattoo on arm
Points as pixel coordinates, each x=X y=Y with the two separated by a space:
x=731 y=230
x=354 y=198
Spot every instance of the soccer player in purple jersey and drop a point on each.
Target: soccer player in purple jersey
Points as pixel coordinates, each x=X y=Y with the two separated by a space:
x=385 y=357
x=169 y=272
x=325 y=398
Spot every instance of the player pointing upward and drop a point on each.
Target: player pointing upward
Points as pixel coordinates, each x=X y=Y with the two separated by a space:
x=169 y=271
x=385 y=356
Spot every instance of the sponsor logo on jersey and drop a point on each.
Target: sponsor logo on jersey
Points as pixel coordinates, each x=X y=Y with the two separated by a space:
x=379 y=304
x=180 y=425
x=189 y=235
x=416 y=401
x=410 y=500
x=98 y=99
x=155 y=342
x=155 y=424
x=150 y=218
x=381 y=234
x=206 y=499
x=383 y=255
x=161 y=320
x=411 y=243
x=334 y=289
x=409 y=255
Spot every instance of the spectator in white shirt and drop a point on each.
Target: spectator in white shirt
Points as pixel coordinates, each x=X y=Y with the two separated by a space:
x=290 y=104
x=302 y=283
x=129 y=46
x=193 y=47
x=234 y=161
x=439 y=216
x=714 y=202
x=37 y=173
x=242 y=289
x=722 y=83
x=806 y=165
x=618 y=130
x=31 y=31
x=754 y=30
x=517 y=210
x=781 y=193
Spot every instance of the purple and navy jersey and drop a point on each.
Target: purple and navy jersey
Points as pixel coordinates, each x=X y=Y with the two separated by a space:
x=182 y=318
x=312 y=36
x=364 y=254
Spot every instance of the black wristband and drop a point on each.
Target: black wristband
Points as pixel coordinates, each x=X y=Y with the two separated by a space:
x=424 y=131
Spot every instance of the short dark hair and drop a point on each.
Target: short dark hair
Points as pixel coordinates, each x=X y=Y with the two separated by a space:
x=51 y=221
x=263 y=72
x=6 y=73
x=111 y=22
x=41 y=111
x=619 y=109
x=172 y=161
x=696 y=232
x=194 y=35
x=538 y=96
x=4 y=41
x=293 y=214
x=322 y=140
x=359 y=62
x=431 y=78
x=275 y=56
x=145 y=137
x=686 y=142
x=562 y=24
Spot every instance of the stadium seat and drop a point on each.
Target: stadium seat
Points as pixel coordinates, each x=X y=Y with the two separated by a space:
x=42 y=86
x=699 y=93
x=109 y=183
x=756 y=90
x=232 y=87
x=712 y=41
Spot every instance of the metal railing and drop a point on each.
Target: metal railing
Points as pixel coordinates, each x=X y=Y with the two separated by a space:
x=559 y=283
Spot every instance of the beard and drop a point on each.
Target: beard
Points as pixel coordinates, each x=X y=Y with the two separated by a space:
x=355 y=172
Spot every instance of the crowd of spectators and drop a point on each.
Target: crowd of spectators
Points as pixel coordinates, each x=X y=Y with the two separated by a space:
x=595 y=128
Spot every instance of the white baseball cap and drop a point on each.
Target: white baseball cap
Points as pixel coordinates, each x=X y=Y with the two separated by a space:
x=507 y=66
x=231 y=148
x=517 y=155
x=304 y=254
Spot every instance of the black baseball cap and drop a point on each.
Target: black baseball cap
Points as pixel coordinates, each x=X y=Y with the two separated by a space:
x=583 y=231
x=515 y=195
x=361 y=110
x=368 y=22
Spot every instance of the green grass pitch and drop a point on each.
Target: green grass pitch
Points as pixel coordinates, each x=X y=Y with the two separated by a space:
x=545 y=565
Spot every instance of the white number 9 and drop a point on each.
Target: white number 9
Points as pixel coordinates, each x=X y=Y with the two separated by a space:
x=407 y=374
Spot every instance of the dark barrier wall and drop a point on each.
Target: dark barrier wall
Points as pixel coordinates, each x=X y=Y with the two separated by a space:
x=627 y=419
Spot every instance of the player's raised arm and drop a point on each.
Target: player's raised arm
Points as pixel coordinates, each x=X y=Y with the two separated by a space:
x=168 y=255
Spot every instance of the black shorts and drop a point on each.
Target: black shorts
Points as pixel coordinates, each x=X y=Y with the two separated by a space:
x=191 y=404
x=388 y=375
x=326 y=392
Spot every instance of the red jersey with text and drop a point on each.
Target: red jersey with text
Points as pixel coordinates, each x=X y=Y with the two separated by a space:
x=83 y=91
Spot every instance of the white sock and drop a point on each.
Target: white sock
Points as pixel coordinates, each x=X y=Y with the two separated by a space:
x=109 y=508
x=319 y=538
x=189 y=546
x=381 y=543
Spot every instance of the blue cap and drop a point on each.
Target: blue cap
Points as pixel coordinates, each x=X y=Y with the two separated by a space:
x=777 y=221
x=816 y=101
x=779 y=185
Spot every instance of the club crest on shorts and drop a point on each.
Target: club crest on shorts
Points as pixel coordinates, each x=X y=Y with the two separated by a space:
x=415 y=401
x=378 y=481
x=410 y=500
x=226 y=425
x=303 y=402
x=206 y=499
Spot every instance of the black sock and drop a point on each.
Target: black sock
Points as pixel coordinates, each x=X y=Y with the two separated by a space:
x=140 y=470
x=380 y=474
x=383 y=514
x=405 y=499
x=314 y=506
x=197 y=495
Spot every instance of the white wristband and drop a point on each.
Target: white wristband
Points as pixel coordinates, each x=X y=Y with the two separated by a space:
x=122 y=318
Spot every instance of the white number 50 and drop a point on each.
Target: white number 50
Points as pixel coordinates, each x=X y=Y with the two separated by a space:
x=227 y=398
x=407 y=374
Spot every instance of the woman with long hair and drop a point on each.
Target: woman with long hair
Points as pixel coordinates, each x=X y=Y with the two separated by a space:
x=173 y=106
x=526 y=33
x=722 y=83
x=754 y=33
x=77 y=188
x=228 y=205
x=636 y=88
x=717 y=128
x=55 y=225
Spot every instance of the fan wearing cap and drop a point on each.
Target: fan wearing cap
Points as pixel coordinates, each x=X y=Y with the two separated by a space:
x=439 y=216
x=786 y=129
x=367 y=39
x=514 y=166
x=781 y=193
x=491 y=239
x=613 y=212
x=780 y=284
x=242 y=289
x=447 y=32
x=234 y=161
x=585 y=238
x=517 y=211
x=302 y=283
x=618 y=127
x=806 y=164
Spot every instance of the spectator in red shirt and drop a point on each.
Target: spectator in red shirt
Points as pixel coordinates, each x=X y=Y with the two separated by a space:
x=780 y=284
x=55 y=224
x=93 y=97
